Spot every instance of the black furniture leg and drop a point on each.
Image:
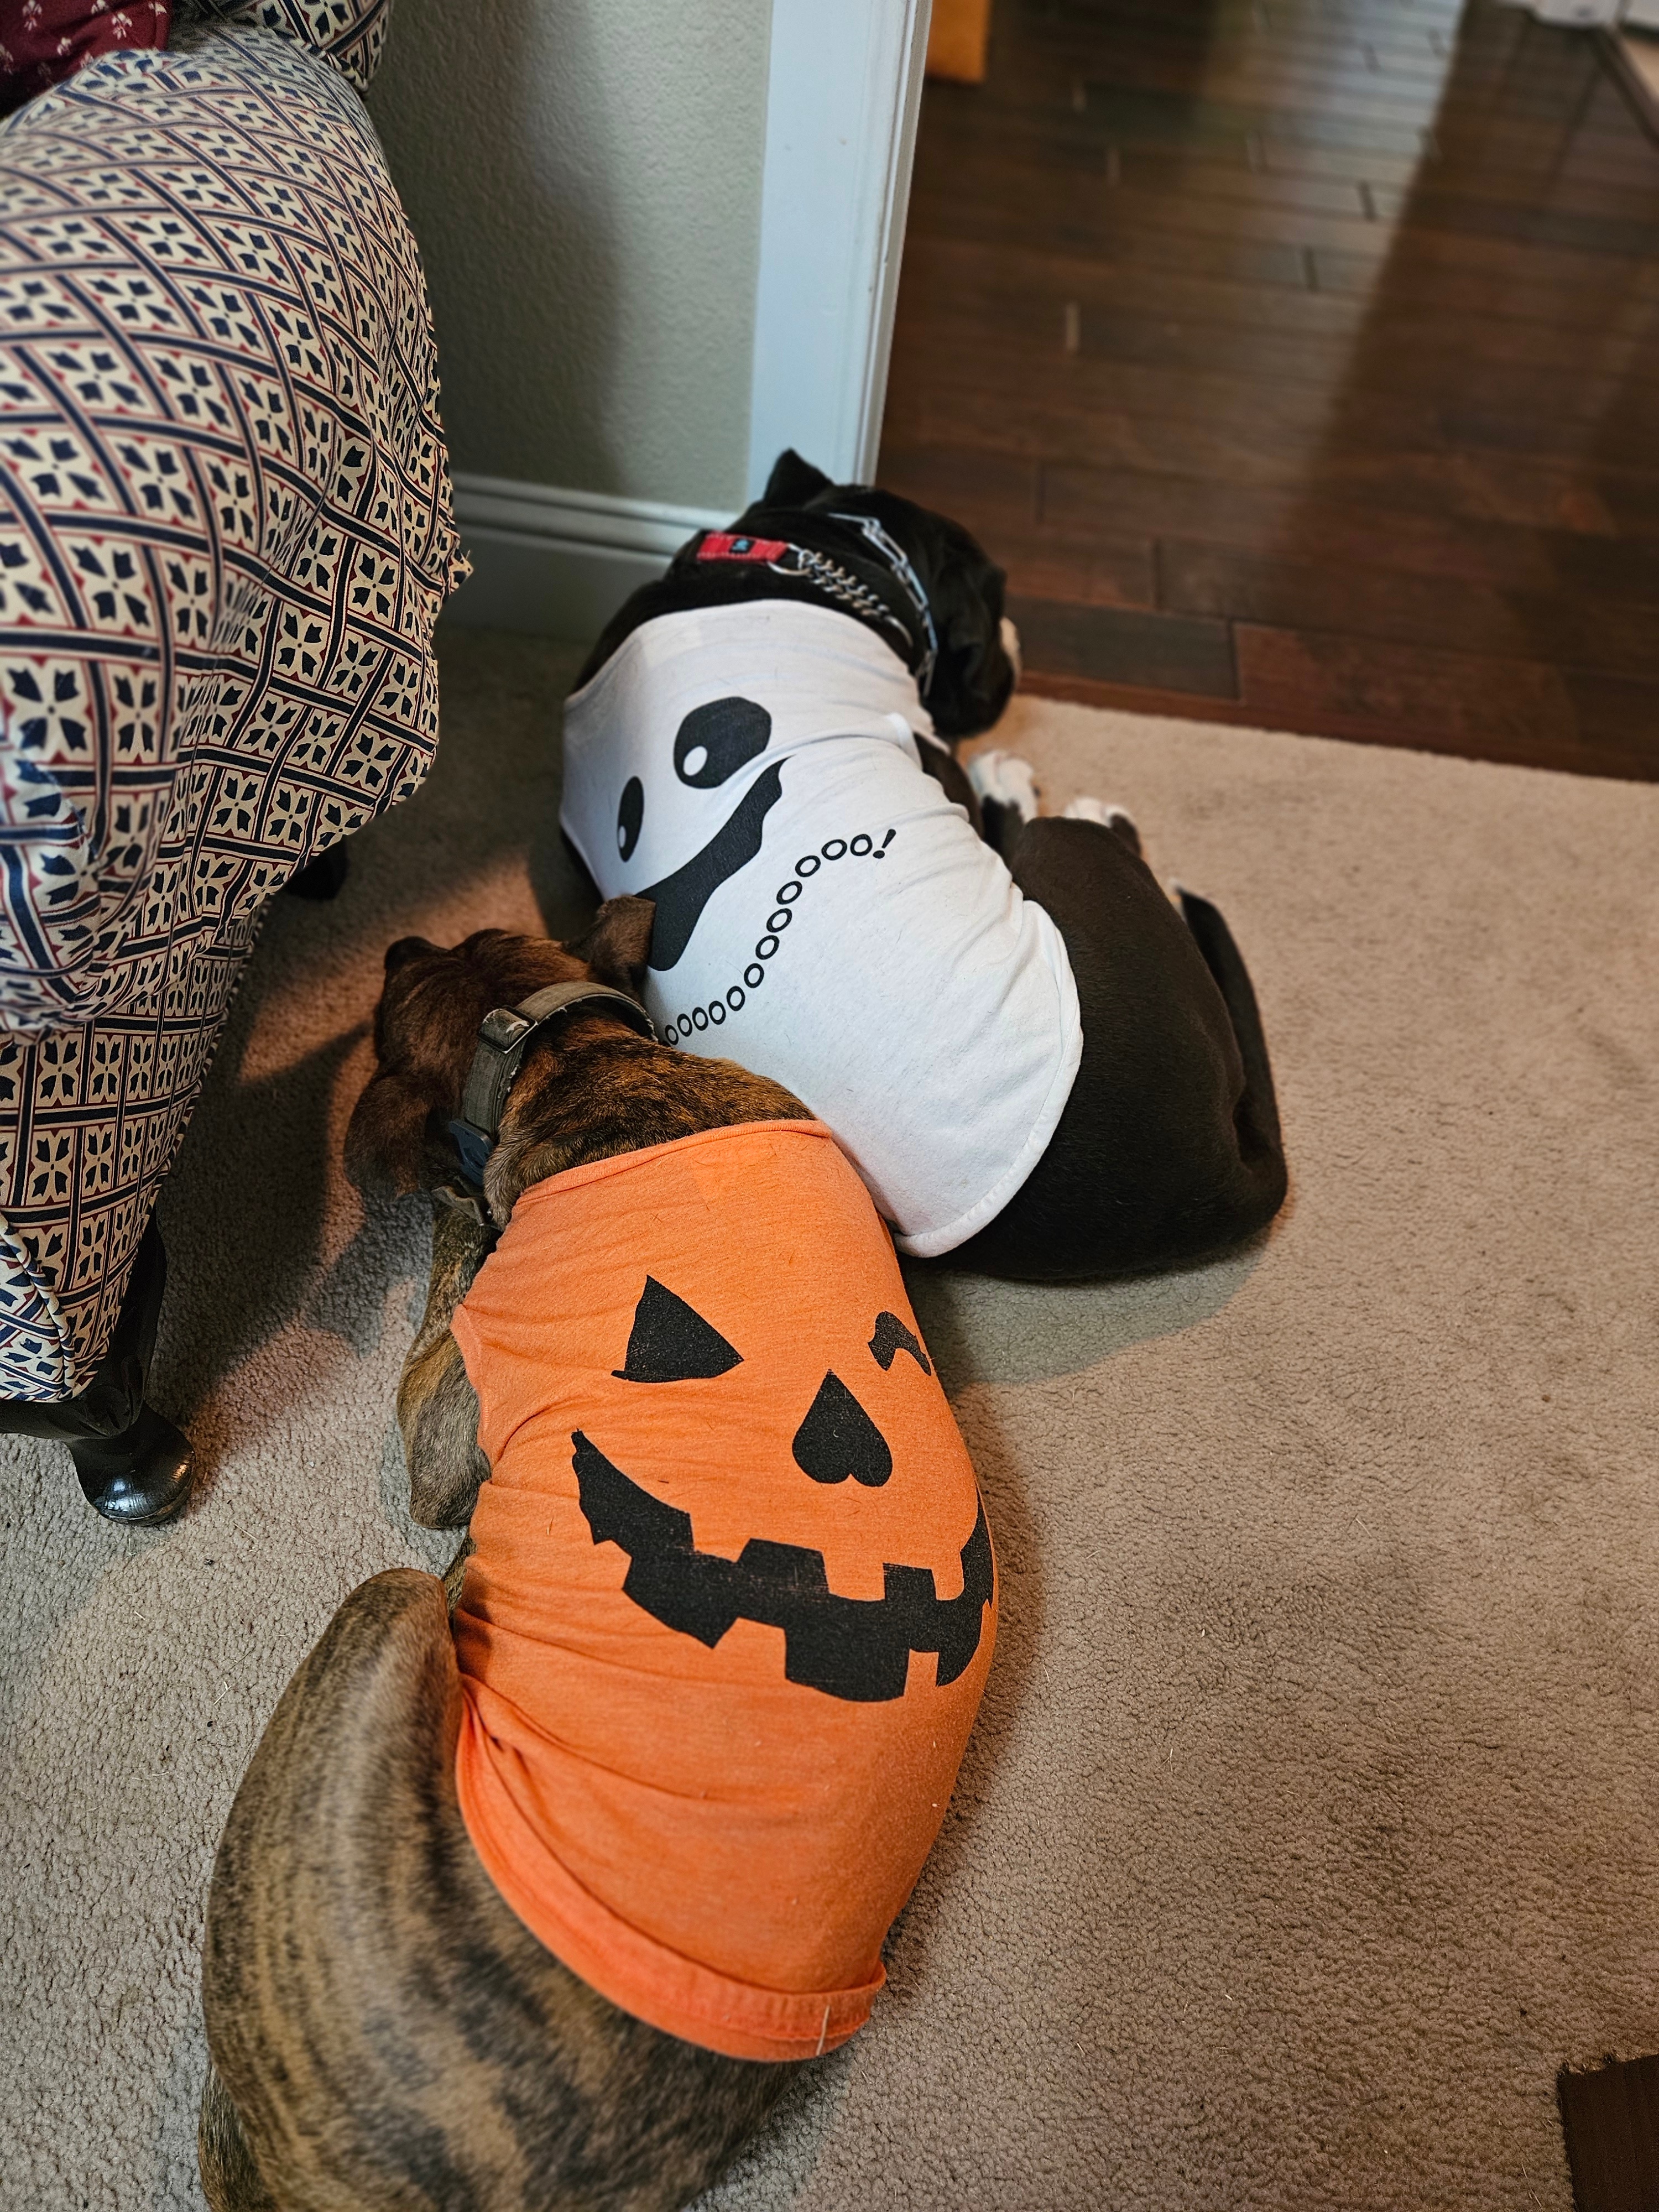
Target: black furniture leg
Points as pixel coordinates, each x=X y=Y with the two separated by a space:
x=134 y=1466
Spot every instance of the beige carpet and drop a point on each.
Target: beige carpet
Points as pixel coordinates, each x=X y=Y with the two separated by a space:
x=1312 y=1819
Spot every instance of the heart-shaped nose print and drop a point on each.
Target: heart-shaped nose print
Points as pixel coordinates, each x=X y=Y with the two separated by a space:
x=838 y=1438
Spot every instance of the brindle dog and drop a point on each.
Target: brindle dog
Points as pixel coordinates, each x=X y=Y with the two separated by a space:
x=386 y=2035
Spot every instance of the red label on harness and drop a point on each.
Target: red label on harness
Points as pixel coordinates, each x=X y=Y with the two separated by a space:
x=721 y=545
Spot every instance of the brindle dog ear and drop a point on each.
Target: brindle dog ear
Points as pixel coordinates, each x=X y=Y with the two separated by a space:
x=618 y=946
x=386 y=1142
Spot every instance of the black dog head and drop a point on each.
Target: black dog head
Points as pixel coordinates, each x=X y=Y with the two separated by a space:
x=973 y=674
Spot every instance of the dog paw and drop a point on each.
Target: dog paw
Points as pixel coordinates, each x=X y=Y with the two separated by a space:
x=1109 y=817
x=1005 y=780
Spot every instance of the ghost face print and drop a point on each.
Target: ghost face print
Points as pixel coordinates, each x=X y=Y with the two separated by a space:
x=714 y=744
x=814 y=1443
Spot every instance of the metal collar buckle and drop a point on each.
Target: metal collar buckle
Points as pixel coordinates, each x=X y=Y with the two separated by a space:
x=505 y=1035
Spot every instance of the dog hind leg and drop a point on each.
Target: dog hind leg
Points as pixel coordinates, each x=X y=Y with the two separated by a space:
x=1167 y=1150
x=1256 y=1116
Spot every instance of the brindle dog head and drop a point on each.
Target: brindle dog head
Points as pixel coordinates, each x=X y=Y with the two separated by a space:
x=595 y=1087
x=426 y=1029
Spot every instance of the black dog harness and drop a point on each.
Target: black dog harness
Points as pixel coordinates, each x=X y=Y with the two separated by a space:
x=504 y=1035
x=888 y=595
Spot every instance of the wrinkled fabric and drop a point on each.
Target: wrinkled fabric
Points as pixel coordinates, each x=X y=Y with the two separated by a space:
x=225 y=535
x=349 y=33
x=733 y=1600
x=824 y=914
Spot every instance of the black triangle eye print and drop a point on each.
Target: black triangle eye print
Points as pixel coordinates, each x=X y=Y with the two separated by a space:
x=891 y=1337
x=671 y=1342
x=716 y=738
x=838 y=1438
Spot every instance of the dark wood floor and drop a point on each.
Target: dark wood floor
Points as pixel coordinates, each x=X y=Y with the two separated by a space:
x=1300 y=363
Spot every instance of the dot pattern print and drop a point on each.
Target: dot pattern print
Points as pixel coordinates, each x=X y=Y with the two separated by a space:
x=863 y=847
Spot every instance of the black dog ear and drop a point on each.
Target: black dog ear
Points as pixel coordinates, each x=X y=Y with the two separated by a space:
x=793 y=481
x=618 y=945
x=974 y=677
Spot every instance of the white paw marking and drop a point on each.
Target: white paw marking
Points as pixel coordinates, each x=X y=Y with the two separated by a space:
x=1007 y=780
x=1114 y=818
x=1092 y=810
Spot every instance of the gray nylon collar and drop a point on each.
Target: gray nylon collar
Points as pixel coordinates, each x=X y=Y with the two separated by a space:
x=505 y=1035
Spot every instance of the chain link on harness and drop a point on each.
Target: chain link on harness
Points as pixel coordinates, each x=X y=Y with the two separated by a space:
x=785 y=558
x=909 y=582
x=840 y=584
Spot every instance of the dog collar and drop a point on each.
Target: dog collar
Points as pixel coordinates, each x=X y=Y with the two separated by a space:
x=505 y=1035
x=909 y=582
x=838 y=583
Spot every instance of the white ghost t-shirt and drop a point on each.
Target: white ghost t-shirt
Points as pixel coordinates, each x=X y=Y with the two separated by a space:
x=825 y=915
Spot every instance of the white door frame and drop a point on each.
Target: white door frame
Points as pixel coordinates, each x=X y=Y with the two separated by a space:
x=844 y=87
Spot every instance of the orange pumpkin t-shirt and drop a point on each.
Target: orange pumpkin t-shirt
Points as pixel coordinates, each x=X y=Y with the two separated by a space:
x=734 y=1598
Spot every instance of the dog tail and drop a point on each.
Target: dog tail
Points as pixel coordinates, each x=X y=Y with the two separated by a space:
x=1260 y=1143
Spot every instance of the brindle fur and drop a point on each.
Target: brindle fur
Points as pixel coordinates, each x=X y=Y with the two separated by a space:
x=386 y=2035
x=385 y=2030
x=437 y=1406
x=600 y=1090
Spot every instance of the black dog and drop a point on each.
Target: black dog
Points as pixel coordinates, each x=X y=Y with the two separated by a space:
x=1168 y=1147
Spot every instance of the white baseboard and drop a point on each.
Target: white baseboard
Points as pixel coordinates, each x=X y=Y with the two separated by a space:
x=559 y=563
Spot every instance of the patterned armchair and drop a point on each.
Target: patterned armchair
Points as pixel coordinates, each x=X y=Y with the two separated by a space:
x=225 y=535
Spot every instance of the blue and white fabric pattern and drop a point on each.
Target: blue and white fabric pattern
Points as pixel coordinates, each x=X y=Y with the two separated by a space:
x=225 y=535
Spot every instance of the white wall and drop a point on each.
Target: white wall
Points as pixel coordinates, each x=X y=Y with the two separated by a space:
x=661 y=239
x=584 y=177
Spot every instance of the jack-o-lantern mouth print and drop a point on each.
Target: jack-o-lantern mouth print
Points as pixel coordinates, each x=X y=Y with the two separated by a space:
x=849 y=1647
x=855 y=1648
